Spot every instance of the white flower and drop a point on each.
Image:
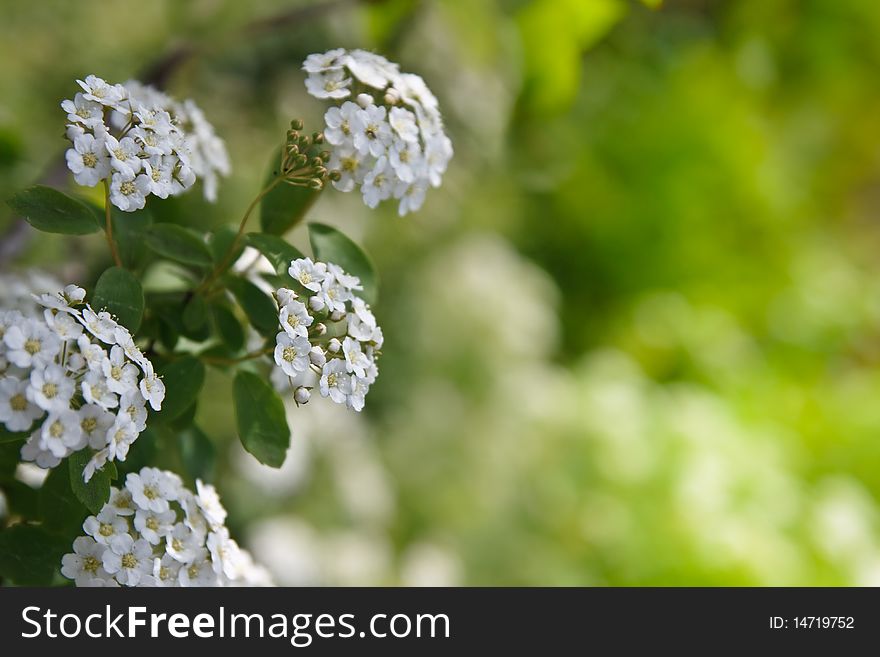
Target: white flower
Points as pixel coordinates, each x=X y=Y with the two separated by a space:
x=161 y=177
x=302 y=395
x=97 y=90
x=121 y=502
x=403 y=122
x=335 y=381
x=309 y=274
x=50 y=388
x=98 y=461
x=95 y=390
x=357 y=397
x=84 y=112
x=225 y=553
x=378 y=183
x=100 y=324
x=61 y=433
x=362 y=322
x=355 y=359
x=17 y=413
x=184 y=544
x=328 y=84
x=32 y=452
x=95 y=422
x=153 y=389
x=339 y=122
x=88 y=159
x=31 y=344
x=124 y=155
x=411 y=196
x=295 y=319
x=129 y=560
x=371 y=132
x=152 y=489
x=348 y=281
x=165 y=571
x=371 y=69
x=330 y=60
x=122 y=376
x=292 y=354
x=352 y=167
x=199 y=572
x=63 y=324
x=133 y=406
x=85 y=563
x=154 y=525
x=405 y=158
x=209 y=503
x=120 y=437
x=107 y=528
x=128 y=191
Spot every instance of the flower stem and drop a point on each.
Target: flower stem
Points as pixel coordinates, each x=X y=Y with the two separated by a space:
x=227 y=258
x=108 y=224
x=215 y=360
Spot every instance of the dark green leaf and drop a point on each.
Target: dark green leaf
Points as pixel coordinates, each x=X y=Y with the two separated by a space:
x=286 y=205
x=21 y=499
x=51 y=211
x=59 y=506
x=129 y=229
x=329 y=245
x=195 y=314
x=178 y=243
x=197 y=452
x=228 y=327
x=168 y=334
x=260 y=309
x=120 y=293
x=276 y=249
x=220 y=242
x=183 y=380
x=30 y=555
x=96 y=492
x=261 y=420
x=7 y=436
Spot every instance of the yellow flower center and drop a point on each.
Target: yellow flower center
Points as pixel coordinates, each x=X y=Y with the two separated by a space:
x=18 y=402
x=127 y=188
x=129 y=561
x=90 y=160
x=89 y=425
x=91 y=565
x=33 y=346
x=50 y=390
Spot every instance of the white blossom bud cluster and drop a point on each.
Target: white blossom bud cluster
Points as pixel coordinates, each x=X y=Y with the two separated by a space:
x=391 y=147
x=141 y=140
x=330 y=339
x=73 y=378
x=156 y=532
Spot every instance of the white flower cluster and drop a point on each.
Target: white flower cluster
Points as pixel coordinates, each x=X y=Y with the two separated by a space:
x=156 y=532
x=393 y=148
x=78 y=375
x=141 y=140
x=330 y=338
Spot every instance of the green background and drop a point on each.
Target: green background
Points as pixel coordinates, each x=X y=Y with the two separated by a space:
x=633 y=339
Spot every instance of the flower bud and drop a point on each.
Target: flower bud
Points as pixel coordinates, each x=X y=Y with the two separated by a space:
x=317 y=356
x=392 y=96
x=335 y=175
x=296 y=124
x=285 y=296
x=317 y=184
x=320 y=328
x=318 y=138
x=316 y=303
x=336 y=315
x=364 y=100
x=334 y=346
x=302 y=395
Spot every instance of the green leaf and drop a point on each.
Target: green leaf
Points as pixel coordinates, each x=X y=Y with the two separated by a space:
x=183 y=380
x=221 y=241
x=330 y=245
x=260 y=309
x=60 y=508
x=228 y=327
x=178 y=243
x=7 y=436
x=195 y=314
x=96 y=492
x=120 y=293
x=51 y=211
x=286 y=205
x=260 y=417
x=276 y=249
x=129 y=229
x=197 y=453
x=30 y=555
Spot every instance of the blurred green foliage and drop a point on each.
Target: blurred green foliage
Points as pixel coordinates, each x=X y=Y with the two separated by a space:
x=633 y=339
